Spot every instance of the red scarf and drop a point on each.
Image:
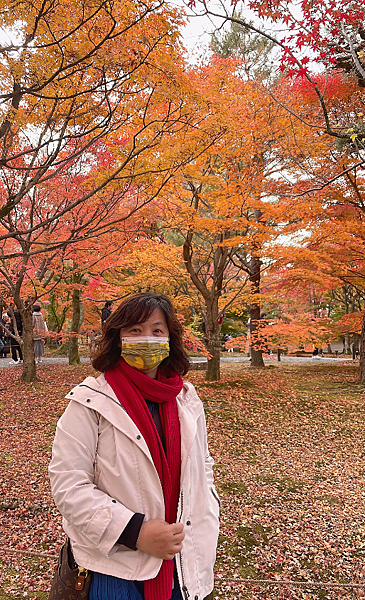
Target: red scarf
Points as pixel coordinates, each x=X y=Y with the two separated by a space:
x=132 y=388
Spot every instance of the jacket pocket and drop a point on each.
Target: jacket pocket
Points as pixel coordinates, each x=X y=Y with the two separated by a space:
x=98 y=524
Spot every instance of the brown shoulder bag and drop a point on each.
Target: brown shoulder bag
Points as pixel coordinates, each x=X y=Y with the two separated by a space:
x=70 y=580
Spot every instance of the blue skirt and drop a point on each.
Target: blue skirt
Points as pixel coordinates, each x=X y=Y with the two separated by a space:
x=106 y=587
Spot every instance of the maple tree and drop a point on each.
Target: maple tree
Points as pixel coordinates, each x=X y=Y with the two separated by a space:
x=149 y=261
x=225 y=206
x=328 y=34
x=320 y=190
x=322 y=276
x=332 y=251
x=74 y=76
x=100 y=127
x=46 y=250
x=98 y=76
x=285 y=163
x=333 y=36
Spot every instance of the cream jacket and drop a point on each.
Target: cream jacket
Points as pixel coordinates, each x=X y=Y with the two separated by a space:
x=102 y=472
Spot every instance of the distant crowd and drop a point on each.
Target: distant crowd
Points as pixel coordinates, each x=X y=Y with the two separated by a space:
x=11 y=331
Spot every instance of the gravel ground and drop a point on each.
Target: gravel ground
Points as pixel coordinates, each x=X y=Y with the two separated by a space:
x=5 y=362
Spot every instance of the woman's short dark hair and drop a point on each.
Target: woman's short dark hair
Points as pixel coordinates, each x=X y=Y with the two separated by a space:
x=36 y=308
x=135 y=309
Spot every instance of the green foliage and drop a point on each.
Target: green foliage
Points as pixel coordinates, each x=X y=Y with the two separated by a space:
x=255 y=51
x=235 y=322
x=57 y=312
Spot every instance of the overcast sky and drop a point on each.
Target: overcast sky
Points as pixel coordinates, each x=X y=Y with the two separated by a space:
x=197 y=33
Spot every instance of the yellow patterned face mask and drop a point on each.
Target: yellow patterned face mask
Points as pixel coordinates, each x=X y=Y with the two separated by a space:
x=145 y=352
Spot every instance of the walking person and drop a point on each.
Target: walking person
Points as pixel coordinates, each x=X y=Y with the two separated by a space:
x=130 y=470
x=16 y=351
x=106 y=311
x=39 y=333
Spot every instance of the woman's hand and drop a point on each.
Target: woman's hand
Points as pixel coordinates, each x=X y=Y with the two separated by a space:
x=161 y=539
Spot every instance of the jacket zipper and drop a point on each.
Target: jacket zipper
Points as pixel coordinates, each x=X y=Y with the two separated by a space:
x=104 y=394
x=184 y=588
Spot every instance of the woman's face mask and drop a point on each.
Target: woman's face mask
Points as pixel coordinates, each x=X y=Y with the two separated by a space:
x=144 y=352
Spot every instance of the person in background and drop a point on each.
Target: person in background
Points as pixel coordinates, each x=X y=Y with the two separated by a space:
x=14 y=344
x=2 y=345
x=39 y=333
x=4 y=336
x=106 y=311
x=92 y=343
x=130 y=471
x=223 y=342
x=229 y=339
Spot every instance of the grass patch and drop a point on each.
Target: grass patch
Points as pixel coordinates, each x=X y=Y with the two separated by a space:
x=231 y=487
x=282 y=484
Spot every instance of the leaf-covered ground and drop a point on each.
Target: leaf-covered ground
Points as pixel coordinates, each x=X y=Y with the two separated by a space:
x=288 y=443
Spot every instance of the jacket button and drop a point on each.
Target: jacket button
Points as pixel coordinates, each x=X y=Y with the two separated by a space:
x=114 y=501
x=88 y=400
x=196 y=597
x=188 y=522
x=138 y=437
x=71 y=393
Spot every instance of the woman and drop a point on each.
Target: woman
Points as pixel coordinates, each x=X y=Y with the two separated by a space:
x=14 y=315
x=39 y=332
x=131 y=472
x=5 y=327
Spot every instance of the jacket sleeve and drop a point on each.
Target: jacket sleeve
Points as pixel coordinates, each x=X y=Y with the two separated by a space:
x=99 y=518
x=209 y=462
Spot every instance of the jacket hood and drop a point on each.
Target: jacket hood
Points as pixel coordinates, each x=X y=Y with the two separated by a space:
x=98 y=395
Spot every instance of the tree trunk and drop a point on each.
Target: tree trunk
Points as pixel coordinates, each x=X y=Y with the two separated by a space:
x=362 y=352
x=29 y=369
x=355 y=346
x=256 y=352
x=212 y=341
x=26 y=343
x=347 y=348
x=255 y=313
x=73 y=349
x=214 y=364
